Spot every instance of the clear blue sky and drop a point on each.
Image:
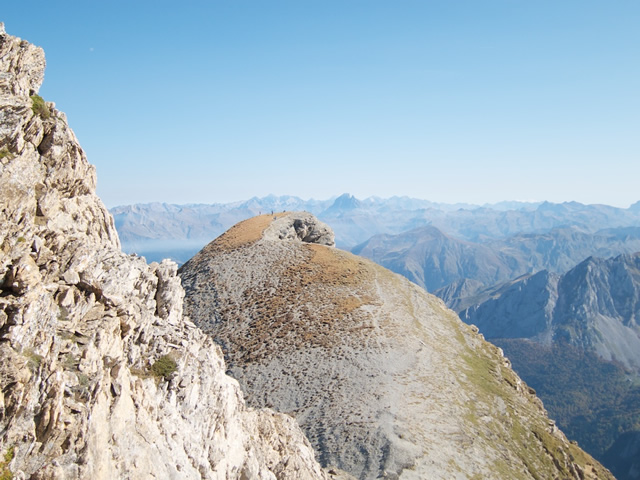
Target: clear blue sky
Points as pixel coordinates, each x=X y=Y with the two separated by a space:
x=453 y=101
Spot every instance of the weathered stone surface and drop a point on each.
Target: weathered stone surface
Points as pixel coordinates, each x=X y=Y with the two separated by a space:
x=301 y=226
x=82 y=325
x=383 y=378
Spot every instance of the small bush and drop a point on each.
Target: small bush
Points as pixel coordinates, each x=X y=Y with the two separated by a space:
x=164 y=367
x=39 y=106
x=4 y=152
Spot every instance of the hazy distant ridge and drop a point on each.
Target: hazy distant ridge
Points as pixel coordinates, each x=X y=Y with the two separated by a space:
x=160 y=229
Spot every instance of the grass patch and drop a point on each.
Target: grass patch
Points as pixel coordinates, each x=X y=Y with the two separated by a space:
x=164 y=367
x=39 y=107
x=140 y=373
x=70 y=362
x=5 y=153
x=5 y=473
x=243 y=233
x=33 y=360
x=83 y=380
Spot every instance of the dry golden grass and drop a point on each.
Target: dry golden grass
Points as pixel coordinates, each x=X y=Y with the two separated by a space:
x=335 y=266
x=316 y=302
x=243 y=233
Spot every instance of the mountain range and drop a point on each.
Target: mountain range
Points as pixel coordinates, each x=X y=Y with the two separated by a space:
x=575 y=338
x=178 y=231
x=594 y=306
x=474 y=258
x=434 y=259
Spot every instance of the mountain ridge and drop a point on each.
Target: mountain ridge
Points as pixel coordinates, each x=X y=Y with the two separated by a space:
x=384 y=379
x=199 y=223
x=595 y=305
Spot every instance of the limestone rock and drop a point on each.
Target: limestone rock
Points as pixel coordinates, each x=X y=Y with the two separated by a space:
x=383 y=378
x=101 y=376
x=302 y=226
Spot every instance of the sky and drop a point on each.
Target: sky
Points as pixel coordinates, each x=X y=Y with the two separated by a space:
x=451 y=101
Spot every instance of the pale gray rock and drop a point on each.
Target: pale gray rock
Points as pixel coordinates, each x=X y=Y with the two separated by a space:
x=85 y=327
x=301 y=226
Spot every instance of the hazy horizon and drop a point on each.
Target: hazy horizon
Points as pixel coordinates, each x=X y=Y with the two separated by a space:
x=371 y=197
x=453 y=102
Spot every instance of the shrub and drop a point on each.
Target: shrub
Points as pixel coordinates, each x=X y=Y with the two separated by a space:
x=39 y=106
x=164 y=367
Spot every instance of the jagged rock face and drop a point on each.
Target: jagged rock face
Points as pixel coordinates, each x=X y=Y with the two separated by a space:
x=383 y=378
x=533 y=297
x=594 y=306
x=82 y=326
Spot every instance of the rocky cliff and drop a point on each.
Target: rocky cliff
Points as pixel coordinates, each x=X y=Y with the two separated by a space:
x=100 y=374
x=383 y=378
x=594 y=306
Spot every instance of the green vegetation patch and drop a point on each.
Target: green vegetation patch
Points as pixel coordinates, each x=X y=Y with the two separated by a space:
x=164 y=367
x=33 y=360
x=39 y=106
x=592 y=401
x=525 y=435
x=4 y=152
x=5 y=473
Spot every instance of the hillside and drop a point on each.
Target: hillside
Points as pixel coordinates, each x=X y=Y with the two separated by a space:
x=432 y=259
x=101 y=376
x=383 y=378
x=592 y=400
x=575 y=339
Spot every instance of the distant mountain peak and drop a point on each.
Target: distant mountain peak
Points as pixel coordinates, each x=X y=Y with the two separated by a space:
x=344 y=203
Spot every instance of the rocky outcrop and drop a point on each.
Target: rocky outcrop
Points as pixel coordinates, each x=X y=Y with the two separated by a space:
x=101 y=376
x=301 y=226
x=383 y=378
